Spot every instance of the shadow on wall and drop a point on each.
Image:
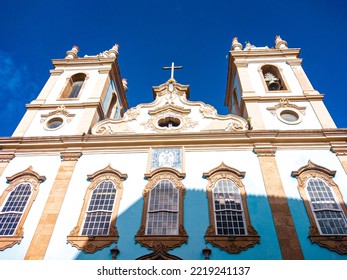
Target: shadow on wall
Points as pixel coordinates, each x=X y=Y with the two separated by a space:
x=196 y=221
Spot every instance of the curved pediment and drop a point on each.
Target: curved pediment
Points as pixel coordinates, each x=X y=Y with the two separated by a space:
x=171 y=112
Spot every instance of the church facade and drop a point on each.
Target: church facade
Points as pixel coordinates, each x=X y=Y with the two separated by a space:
x=86 y=177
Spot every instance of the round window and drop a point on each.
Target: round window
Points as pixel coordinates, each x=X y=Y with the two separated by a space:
x=55 y=123
x=289 y=116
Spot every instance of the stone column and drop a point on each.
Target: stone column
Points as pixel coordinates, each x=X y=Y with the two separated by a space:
x=5 y=158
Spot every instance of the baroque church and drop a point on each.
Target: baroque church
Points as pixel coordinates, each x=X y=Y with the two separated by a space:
x=86 y=177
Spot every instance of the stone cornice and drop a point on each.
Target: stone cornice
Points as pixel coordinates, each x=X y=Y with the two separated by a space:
x=318 y=138
x=291 y=98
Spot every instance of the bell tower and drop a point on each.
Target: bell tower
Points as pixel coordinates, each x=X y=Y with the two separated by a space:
x=79 y=92
x=269 y=87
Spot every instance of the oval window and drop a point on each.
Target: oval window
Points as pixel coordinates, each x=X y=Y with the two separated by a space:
x=289 y=116
x=55 y=123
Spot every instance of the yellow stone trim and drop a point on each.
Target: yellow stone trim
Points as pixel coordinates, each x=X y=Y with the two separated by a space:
x=283 y=220
x=50 y=213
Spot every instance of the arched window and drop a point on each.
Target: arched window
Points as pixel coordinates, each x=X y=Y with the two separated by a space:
x=228 y=210
x=99 y=212
x=230 y=226
x=329 y=215
x=272 y=78
x=324 y=205
x=15 y=204
x=96 y=226
x=162 y=217
x=74 y=86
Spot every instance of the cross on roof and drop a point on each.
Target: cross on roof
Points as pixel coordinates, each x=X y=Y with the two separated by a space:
x=172 y=67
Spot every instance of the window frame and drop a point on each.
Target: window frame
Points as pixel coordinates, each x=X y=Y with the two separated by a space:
x=68 y=86
x=163 y=243
x=233 y=244
x=26 y=176
x=91 y=243
x=334 y=242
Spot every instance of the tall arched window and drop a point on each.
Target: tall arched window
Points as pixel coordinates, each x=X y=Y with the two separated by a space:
x=230 y=226
x=99 y=212
x=324 y=205
x=13 y=209
x=328 y=213
x=15 y=203
x=96 y=226
x=162 y=215
x=228 y=209
x=162 y=226
x=74 y=86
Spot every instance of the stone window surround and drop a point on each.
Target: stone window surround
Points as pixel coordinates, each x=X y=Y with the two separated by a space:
x=25 y=176
x=91 y=244
x=237 y=243
x=162 y=243
x=68 y=85
x=337 y=243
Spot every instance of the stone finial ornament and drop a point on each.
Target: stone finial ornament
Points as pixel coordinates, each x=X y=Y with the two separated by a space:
x=236 y=45
x=280 y=44
x=71 y=54
x=114 y=51
x=125 y=84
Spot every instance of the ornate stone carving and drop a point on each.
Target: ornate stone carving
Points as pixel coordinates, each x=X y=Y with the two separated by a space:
x=166 y=112
x=159 y=254
x=91 y=244
x=285 y=103
x=59 y=112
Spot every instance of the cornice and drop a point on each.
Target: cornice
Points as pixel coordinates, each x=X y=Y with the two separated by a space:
x=67 y=105
x=316 y=138
x=291 y=98
x=266 y=53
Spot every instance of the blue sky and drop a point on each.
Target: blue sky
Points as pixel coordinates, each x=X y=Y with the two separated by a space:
x=153 y=33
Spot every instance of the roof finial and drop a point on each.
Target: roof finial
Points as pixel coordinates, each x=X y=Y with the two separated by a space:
x=236 y=45
x=71 y=54
x=114 y=51
x=280 y=44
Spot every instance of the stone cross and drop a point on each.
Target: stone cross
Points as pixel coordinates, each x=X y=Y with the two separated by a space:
x=172 y=68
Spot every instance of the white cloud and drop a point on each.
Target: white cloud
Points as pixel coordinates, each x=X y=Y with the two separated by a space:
x=16 y=89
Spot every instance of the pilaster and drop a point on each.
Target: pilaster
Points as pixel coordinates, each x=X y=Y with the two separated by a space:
x=44 y=230
x=340 y=149
x=5 y=158
x=284 y=224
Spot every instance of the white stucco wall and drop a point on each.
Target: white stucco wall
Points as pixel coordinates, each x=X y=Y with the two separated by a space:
x=45 y=166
